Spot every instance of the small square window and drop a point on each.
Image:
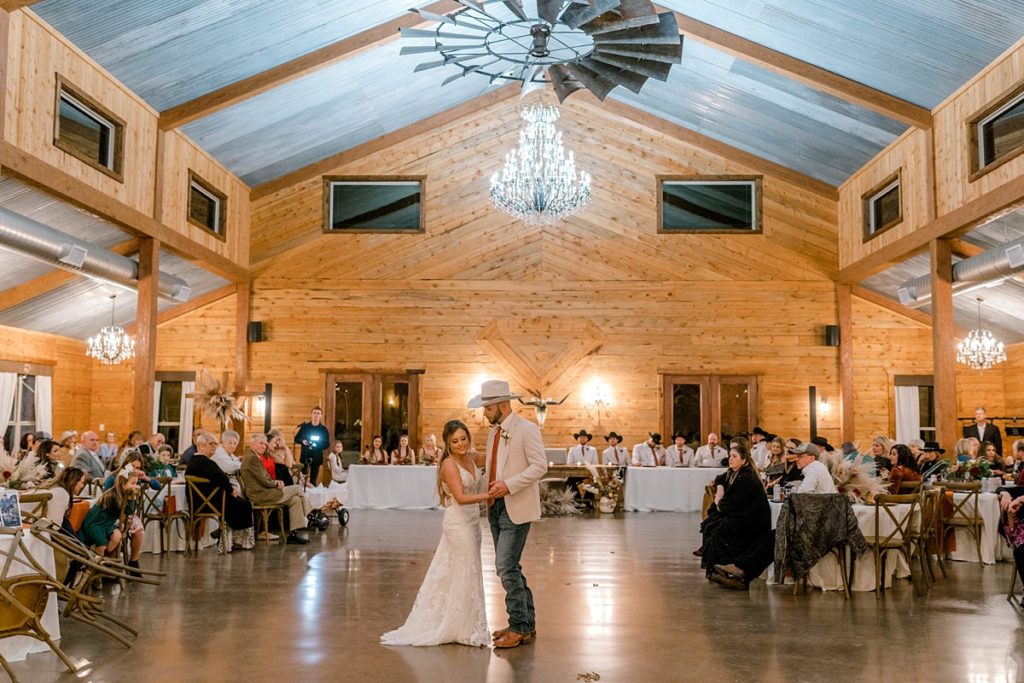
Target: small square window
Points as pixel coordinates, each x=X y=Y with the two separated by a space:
x=882 y=207
x=206 y=206
x=85 y=130
x=710 y=204
x=373 y=205
x=1001 y=133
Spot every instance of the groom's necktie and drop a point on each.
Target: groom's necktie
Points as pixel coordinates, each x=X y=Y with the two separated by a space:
x=493 y=470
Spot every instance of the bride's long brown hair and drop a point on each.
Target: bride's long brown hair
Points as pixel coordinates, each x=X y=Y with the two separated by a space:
x=451 y=427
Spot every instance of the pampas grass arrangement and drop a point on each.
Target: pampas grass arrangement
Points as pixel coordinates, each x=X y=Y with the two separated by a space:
x=557 y=502
x=215 y=402
x=854 y=478
x=20 y=474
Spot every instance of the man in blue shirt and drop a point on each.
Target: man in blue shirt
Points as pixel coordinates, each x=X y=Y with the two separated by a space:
x=315 y=439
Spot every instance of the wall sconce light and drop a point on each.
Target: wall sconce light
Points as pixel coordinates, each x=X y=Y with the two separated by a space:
x=597 y=396
x=824 y=407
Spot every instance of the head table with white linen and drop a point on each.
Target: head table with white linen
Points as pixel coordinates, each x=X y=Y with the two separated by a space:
x=672 y=489
x=401 y=487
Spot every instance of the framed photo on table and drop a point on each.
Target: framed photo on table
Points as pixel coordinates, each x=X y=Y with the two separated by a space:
x=10 y=512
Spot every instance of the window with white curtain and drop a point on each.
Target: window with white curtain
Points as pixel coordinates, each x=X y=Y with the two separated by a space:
x=915 y=407
x=22 y=416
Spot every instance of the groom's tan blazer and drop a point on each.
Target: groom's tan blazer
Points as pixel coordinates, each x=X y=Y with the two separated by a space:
x=521 y=465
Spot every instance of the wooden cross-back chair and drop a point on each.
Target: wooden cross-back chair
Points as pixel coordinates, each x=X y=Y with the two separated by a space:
x=36 y=502
x=900 y=538
x=153 y=508
x=966 y=513
x=201 y=507
x=24 y=593
x=929 y=536
x=76 y=592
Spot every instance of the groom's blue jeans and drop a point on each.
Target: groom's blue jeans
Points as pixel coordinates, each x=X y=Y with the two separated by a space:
x=509 y=541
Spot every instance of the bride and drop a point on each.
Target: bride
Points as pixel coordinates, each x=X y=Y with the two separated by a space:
x=450 y=605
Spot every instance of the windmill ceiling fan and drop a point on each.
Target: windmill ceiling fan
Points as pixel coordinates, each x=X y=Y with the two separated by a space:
x=572 y=44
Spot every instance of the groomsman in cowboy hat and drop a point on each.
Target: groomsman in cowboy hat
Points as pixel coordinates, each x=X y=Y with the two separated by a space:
x=678 y=454
x=649 y=453
x=515 y=466
x=582 y=451
x=615 y=454
x=759 y=447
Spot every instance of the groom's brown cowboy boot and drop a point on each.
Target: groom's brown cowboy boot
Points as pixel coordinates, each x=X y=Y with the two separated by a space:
x=502 y=631
x=512 y=639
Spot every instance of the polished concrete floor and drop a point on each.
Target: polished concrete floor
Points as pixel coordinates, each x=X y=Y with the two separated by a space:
x=619 y=596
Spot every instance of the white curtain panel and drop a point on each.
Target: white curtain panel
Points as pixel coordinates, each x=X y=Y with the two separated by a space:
x=44 y=404
x=156 y=408
x=908 y=414
x=188 y=407
x=8 y=385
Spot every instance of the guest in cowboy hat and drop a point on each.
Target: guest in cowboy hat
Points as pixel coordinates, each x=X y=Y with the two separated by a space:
x=649 y=453
x=615 y=454
x=582 y=452
x=930 y=463
x=678 y=454
x=823 y=444
x=759 y=452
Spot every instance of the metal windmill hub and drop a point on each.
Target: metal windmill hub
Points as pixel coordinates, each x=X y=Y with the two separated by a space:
x=532 y=42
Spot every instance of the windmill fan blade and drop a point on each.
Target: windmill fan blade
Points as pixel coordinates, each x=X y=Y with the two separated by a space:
x=417 y=49
x=548 y=10
x=516 y=7
x=431 y=33
x=430 y=16
x=429 y=65
x=597 y=84
x=665 y=32
x=649 y=68
x=632 y=81
x=668 y=54
x=577 y=15
x=472 y=5
x=563 y=82
x=631 y=14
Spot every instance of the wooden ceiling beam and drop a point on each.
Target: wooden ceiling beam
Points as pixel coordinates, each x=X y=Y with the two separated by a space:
x=13 y=5
x=46 y=283
x=438 y=120
x=805 y=72
x=239 y=91
x=896 y=307
x=726 y=151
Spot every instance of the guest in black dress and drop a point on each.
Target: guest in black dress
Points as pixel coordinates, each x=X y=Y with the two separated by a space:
x=237 y=510
x=738 y=538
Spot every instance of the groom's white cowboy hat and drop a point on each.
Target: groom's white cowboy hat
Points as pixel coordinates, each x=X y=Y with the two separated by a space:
x=491 y=392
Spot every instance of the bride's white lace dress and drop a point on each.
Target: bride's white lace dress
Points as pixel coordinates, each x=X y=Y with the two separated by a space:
x=450 y=605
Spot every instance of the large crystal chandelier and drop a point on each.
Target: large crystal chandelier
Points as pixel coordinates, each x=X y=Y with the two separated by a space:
x=539 y=184
x=981 y=350
x=112 y=345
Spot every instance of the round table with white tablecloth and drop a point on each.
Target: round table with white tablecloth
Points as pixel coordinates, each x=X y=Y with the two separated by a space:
x=826 y=574
x=672 y=489
x=402 y=487
x=993 y=548
x=17 y=648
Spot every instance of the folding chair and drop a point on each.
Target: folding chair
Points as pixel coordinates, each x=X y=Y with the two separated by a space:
x=901 y=536
x=201 y=507
x=966 y=514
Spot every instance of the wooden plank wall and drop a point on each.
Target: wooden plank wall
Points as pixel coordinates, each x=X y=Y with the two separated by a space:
x=679 y=304
x=1013 y=380
x=72 y=372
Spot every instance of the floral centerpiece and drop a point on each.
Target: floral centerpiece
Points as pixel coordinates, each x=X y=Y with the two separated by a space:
x=20 y=474
x=975 y=468
x=855 y=477
x=606 y=489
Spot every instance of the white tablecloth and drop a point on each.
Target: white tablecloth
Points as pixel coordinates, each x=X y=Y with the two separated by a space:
x=174 y=538
x=405 y=487
x=826 y=574
x=993 y=547
x=674 y=489
x=15 y=649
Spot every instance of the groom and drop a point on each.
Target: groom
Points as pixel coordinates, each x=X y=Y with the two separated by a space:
x=515 y=465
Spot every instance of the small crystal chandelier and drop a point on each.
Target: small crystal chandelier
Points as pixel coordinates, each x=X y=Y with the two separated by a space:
x=112 y=345
x=538 y=184
x=980 y=350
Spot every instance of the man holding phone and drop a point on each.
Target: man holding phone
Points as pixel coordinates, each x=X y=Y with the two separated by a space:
x=315 y=439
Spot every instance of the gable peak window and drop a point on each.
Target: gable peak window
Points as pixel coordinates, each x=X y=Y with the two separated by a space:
x=709 y=204
x=882 y=206
x=87 y=131
x=207 y=206
x=382 y=204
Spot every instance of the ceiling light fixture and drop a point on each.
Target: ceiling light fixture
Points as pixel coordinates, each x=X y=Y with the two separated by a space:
x=980 y=350
x=112 y=345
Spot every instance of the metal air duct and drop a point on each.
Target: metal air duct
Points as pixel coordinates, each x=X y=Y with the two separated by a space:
x=30 y=237
x=990 y=266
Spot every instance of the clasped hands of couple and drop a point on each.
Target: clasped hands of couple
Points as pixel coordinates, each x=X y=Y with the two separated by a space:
x=496 y=490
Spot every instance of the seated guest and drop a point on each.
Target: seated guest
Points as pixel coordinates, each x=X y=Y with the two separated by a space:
x=880 y=447
x=87 y=457
x=995 y=462
x=237 y=510
x=905 y=468
x=191 y=450
x=109 y=449
x=99 y=529
x=817 y=478
x=582 y=452
x=964 y=450
x=225 y=458
x=1018 y=461
x=930 y=463
x=823 y=445
x=134 y=440
x=1011 y=499
x=62 y=489
x=69 y=445
x=262 y=490
x=136 y=462
x=374 y=454
x=678 y=454
x=48 y=452
x=776 y=465
x=649 y=453
x=27 y=443
x=334 y=462
x=916 y=447
x=710 y=454
x=738 y=539
x=615 y=454
x=165 y=468
x=284 y=459
x=759 y=439
x=430 y=453
x=404 y=454
x=150 y=447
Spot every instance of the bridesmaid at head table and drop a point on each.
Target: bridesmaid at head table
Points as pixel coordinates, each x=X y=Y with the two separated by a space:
x=404 y=454
x=374 y=454
x=429 y=451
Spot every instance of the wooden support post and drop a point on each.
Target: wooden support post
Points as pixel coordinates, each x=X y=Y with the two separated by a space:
x=943 y=350
x=242 y=299
x=844 y=296
x=145 y=335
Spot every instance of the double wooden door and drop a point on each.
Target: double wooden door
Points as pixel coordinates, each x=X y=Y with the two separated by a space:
x=696 y=405
x=359 y=406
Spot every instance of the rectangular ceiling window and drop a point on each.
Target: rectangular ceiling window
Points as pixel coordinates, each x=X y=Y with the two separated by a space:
x=206 y=206
x=882 y=207
x=1000 y=133
x=88 y=132
x=730 y=204
x=373 y=205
